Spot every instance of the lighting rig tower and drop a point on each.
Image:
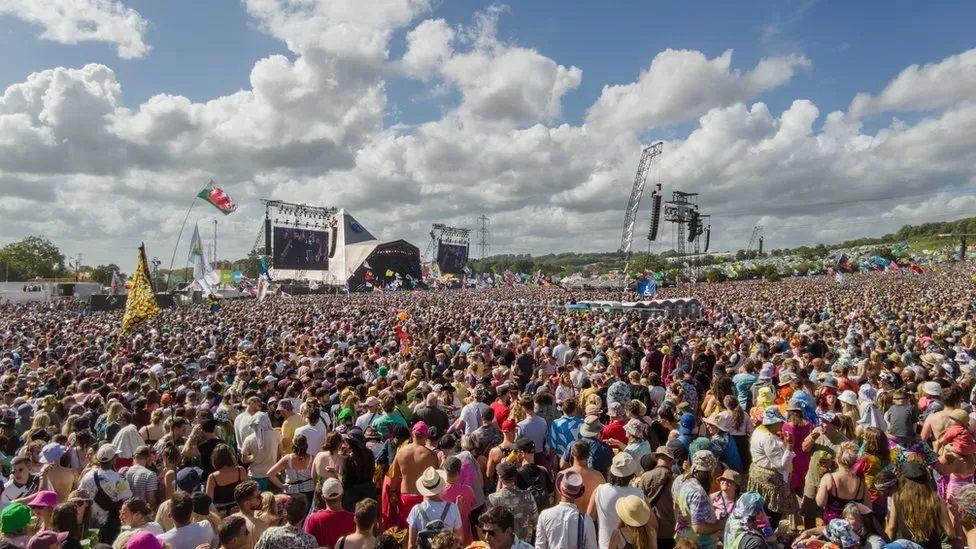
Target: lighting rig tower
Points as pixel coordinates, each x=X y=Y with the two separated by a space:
x=755 y=241
x=440 y=232
x=483 y=223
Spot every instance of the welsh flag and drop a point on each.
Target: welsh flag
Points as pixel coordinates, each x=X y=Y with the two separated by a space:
x=216 y=196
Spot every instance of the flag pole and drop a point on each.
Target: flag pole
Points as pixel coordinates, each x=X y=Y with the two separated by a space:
x=178 y=238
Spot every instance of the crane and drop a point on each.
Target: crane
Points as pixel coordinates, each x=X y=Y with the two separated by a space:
x=640 y=179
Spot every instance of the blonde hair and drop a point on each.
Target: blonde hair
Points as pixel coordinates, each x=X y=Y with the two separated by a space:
x=847 y=454
x=919 y=507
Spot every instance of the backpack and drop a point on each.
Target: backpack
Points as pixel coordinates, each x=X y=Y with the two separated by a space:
x=431 y=527
x=539 y=487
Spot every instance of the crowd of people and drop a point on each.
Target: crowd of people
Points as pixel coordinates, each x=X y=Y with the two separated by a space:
x=807 y=412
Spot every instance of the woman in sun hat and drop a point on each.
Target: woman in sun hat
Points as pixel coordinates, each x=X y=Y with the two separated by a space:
x=637 y=524
x=723 y=499
x=798 y=428
x=601 y=507
x=771 y=458
x=747 y=526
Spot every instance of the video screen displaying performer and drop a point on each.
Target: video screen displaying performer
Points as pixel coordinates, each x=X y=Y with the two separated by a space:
x=300 y=249
x=452 y=258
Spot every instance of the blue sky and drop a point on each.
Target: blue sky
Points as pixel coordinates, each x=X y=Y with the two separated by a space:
x=496 y=122
x=203 y=49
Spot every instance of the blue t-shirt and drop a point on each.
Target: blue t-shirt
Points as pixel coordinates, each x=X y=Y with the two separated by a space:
x=600 y=455
x=743 y=388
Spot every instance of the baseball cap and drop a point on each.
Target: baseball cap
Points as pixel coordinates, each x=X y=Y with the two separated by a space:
x=509 y=426
x=331 y=489
x=106 y=453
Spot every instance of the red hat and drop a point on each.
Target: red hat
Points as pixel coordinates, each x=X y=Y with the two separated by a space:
x=509 y=426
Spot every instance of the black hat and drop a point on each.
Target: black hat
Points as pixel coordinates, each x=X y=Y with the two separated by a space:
x=526 y=445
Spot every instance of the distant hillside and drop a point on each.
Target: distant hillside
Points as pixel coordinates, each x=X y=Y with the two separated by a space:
x=924 y=236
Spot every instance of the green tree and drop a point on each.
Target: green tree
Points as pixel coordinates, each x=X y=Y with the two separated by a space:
x=32 y=257
x=103 y=273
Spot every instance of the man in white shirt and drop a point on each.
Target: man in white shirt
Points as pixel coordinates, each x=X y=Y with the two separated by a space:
x=22 y=484
x=372 y=413
x=559 y=351
x=314 y=429
x=104 y=483
x=242 y=423
x=560 y=526
x=186 y=533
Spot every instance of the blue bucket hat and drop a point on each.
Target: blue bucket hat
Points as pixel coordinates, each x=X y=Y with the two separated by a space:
x=686 y=425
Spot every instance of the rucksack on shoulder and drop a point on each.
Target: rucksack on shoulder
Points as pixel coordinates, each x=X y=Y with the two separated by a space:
x=432 y=527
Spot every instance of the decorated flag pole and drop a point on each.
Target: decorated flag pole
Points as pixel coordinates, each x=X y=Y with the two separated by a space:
x=218 y=199
x=179 y=238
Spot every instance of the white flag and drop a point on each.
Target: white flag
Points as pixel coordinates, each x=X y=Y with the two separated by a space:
x=201 y=268
x=262 y=288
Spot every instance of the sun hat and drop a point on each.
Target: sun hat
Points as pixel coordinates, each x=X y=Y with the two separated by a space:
x=786 y=378
x=591 y=427
x=848 y=397
x=665 y=452
x=570 y=484
x=633 y=511
x=933 y=359
x=794 y=405
x=143 y=540
x=867 y=392
x=616 y=409
x=624 y=465
x=45 y=499
x=420 y=430
x=47 y=539
x=772 y=416
x=52 y=452
x=634 y=427
x=731 y=475
x=331 y=488
x=703 y=460
x=14 y=518
x=766 y=372
x=841 y=532
x=106 y=453
x=720 y=421
x=932 y=388
x=431 y=482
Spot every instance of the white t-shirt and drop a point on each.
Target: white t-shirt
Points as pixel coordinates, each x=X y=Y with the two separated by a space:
x=314 y=435
x=471 y=416
x=263 y=459
x=11 y=491
x=605 y=496
x=190 y=536
x=114 y=485
x=241 y=426
x=433 y=510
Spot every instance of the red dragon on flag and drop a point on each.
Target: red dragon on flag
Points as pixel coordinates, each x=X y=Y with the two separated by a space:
x=216 y=196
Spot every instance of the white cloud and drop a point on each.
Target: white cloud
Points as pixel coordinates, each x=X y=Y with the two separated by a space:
x=428 y=45
x=929 y=87
x=682 y=84
x=74 y=21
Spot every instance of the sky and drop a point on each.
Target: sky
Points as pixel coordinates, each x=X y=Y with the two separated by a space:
x=818 y=120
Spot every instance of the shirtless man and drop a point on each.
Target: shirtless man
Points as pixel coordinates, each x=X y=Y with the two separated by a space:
x=54 y=474
x=935 y=424
x=410 y=462
x=248 y=497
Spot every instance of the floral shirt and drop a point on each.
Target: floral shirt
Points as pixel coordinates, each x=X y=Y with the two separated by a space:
x=522 y=505
x=692 y=506
x=286 y=537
